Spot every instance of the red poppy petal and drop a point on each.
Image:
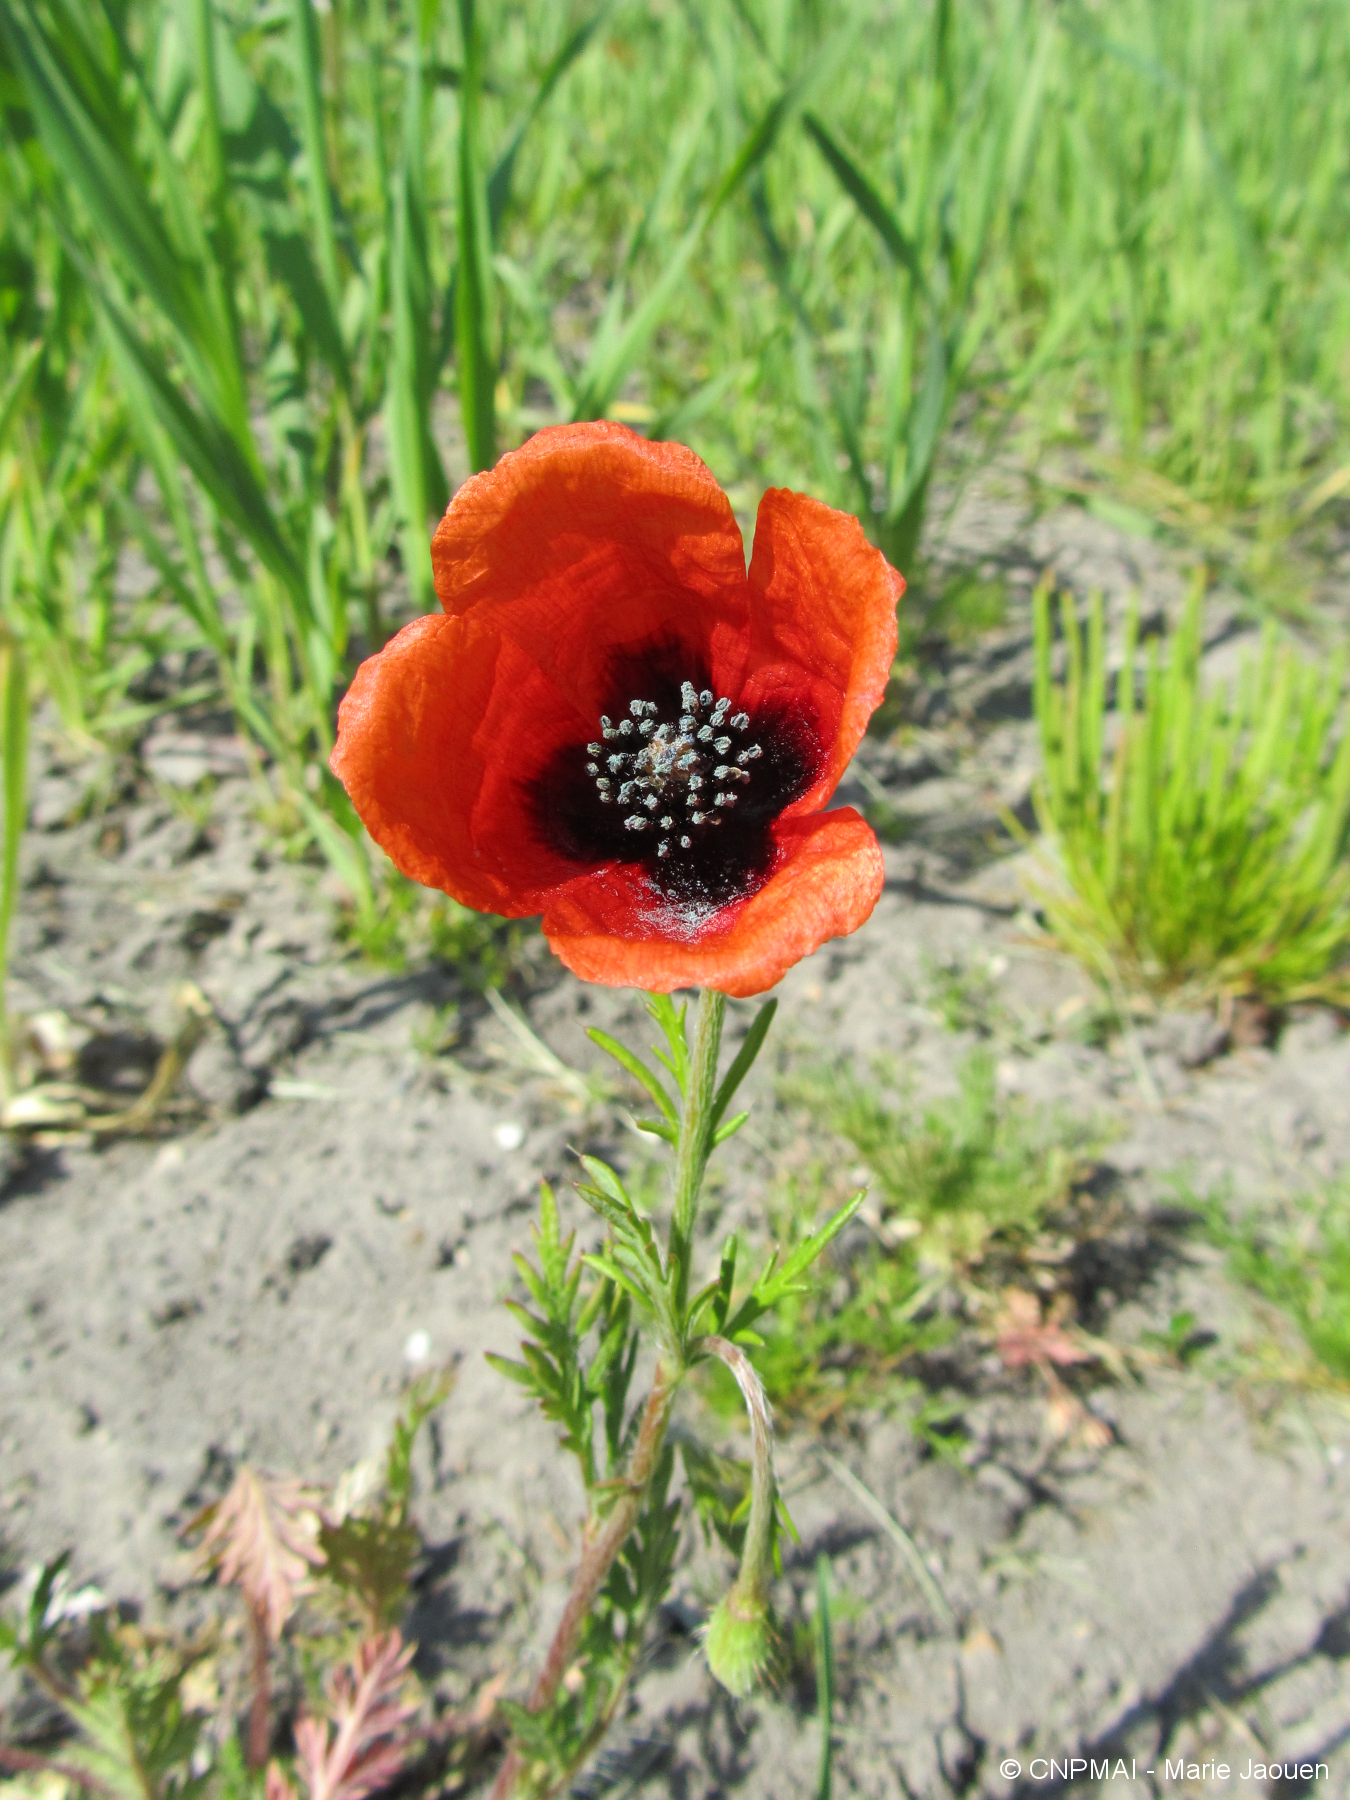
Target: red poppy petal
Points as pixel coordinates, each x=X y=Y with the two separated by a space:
x=829 y=880
x=588 y=540
x=823 y=630
x=424 y=750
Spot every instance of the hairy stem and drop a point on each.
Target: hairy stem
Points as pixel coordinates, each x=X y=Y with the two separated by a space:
x=606 y=1536
x=758 y=1552
x=260 y=1713
x=691 y=1157
x=604 y=1540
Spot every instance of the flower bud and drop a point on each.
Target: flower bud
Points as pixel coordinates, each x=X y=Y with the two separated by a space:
x=740 y=1641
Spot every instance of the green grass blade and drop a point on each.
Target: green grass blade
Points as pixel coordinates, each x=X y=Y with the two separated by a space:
x=475 y=363
x=503 y=174
x=866 y=197
x=611 y=360
x=16 y=392
x=316 y=149
x=824 y=1648
x=207 y=448
x=14 y=749
x=415 y=465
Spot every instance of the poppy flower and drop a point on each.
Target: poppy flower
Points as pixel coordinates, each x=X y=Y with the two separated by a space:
x=611 y=723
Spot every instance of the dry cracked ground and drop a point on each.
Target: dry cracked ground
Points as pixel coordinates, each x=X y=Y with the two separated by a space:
x=250 y=1281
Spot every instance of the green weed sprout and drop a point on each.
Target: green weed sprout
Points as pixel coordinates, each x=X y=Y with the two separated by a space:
x=1300 y=1262
x=1205 y=852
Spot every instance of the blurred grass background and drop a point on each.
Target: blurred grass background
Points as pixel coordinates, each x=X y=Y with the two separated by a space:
x=274 y=278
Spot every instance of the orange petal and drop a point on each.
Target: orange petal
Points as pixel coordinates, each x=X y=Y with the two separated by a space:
x=590 y=540
x=433 y=736
x=823 y=630
x=829 y=880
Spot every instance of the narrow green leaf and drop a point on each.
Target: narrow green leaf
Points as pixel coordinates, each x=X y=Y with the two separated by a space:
x=729 y=1129
x=628 y=1059
x=742 y=1063
x=866 y=197
x=14 y=749
x=309 y=81
x=499 y=183
x=25 y=364
x=475 y=364
x=610 y=360
x=661 y=1128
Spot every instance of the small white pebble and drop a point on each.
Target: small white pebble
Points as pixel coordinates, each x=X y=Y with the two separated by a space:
x=418 y=1347
x=509 y=1135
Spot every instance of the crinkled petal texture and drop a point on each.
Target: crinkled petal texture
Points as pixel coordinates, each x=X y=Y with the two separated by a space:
x=589 y=571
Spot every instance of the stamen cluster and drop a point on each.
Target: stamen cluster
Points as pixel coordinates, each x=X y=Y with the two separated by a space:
x=674 y=775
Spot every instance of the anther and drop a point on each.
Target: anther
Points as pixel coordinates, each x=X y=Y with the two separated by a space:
x=739 y=721
x=667 y=822
x=688 y=696
x=685 y=842
x=592 y=768
x=705 y=698
x=637 y=708
x=615 y=763
x=626 y=791
x=592 y=749
x=625 y=728
x=646 y=728
x=705 y=735
x=663 y=849
x=697 y=818
x=722 y=745
x=749 y=755
x=650 y=803
x=605 y=721
x=688 y=761
x=634 y=823
x=720 y=711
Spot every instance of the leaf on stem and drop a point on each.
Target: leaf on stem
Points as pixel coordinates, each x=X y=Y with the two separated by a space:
x=364 y=1741
x=741 y=1065
x=262 y=1539
x=776 y=1283
x=671 y=1020
x=645 y=1077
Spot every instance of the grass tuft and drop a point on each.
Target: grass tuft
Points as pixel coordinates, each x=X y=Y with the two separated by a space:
x=1299 y=1260
x=1205 y=852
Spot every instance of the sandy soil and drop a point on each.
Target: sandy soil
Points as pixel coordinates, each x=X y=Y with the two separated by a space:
x=252 y=1282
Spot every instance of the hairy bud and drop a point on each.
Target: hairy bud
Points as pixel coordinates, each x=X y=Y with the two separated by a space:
x=740 y=1643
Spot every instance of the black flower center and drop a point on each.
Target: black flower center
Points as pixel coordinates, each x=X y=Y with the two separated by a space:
x=675 y=778
x=680 y=780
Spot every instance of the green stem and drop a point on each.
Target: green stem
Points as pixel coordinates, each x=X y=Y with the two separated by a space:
x=757 y=1556
x=606 y=1536
x=603 y=1545
x=691 y=1157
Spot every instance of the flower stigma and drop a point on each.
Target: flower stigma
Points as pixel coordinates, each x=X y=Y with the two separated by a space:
x=678 y=777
